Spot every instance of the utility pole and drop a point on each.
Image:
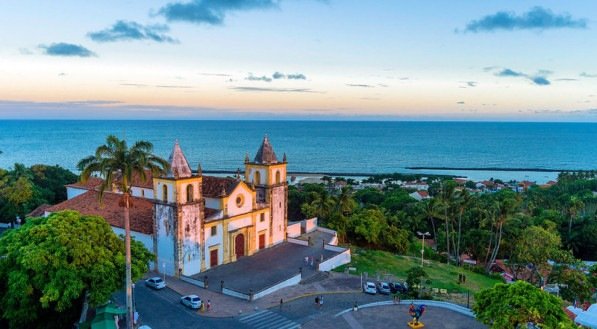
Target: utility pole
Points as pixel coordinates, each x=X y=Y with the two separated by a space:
x=423 y=245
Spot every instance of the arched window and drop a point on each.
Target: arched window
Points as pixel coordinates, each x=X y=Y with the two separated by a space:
x=278 y=177
x=165 y=193
x=189 y=193
x=257 y=178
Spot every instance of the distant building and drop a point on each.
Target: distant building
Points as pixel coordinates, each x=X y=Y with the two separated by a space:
x=420 y=195
x=193 y=222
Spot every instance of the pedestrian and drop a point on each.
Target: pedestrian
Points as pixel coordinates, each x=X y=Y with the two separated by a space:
x=320 y=301
x=317 y=301
x=306 y=260
x=281 y=303
x=312 y=261
x=355 y=307
x=208 y=305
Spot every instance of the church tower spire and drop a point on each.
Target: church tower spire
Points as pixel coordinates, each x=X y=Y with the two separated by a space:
x=179 y=166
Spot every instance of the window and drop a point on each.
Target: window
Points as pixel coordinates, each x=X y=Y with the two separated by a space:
x=214 y=230
x=262 y=218
x=257 y=178
x=165 y=193
x=278 y=177
x=189 y=193
x=240 y=200
x=143 y=192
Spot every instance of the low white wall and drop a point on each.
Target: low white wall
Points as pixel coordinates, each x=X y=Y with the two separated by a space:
x=286 y=283
x=192 y=281
x=326 y=230
x=332 y=263
x=310 y=224
x=334 y=248
x=453 y=307
x=294 y=230
x=334 y=241
x=236 y=294
x=296 y=241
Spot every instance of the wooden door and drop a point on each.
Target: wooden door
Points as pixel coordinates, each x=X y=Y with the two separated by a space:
x=262 y=241
x=213 y=258
x=239 y=245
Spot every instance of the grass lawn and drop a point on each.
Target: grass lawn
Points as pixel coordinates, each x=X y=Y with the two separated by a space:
x=441 y=275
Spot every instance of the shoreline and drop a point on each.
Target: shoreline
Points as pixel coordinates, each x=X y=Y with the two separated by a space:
x=499 y=169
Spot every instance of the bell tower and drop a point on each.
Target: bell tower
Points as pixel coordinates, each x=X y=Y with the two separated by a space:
x=178 y=215
x=268 y=175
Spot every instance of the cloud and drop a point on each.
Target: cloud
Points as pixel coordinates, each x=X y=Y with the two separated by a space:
x=359 y=85
x=251 y=77
x=539 y=78
x=588 y=75
x=566 y=79
x=141 y=85
x=461 y=102
x=67 y=50
x=468 y=84
x=509 y=73
x=214 y=74
x=278 y=75
x=279 y=90
x=296 y=76
x=541 y=81
x=211 y=12
x=126 y=31
x=537 y=18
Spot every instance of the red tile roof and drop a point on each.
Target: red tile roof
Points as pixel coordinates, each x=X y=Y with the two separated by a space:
x=423 y=194
x=141 y=213
x=39 y=211
x=213 y=186
x=91 y=184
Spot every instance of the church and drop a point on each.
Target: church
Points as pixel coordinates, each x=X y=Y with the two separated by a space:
x=193 y=222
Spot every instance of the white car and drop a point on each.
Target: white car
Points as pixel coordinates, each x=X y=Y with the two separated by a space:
x=155 y=283
x=192 y=301
x=369 y=288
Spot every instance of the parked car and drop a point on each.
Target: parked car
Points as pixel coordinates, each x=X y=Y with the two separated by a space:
x=383 y=288
x=191 y=301
x=398 y=287
x=155 y=283
x=369 y=288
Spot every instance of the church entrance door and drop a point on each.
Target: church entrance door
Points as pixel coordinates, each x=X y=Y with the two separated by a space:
x=262 y=241
x=239 y=246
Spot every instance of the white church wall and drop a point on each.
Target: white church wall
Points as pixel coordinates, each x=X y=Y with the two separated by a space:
x=246 y=204
x=239 y=223
x=191 y=244
x=166 y=236
x=278 y=214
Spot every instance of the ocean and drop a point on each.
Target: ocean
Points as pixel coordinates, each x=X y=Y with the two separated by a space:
x=324 y=146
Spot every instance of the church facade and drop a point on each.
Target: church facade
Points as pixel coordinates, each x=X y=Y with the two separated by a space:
x=198 y=221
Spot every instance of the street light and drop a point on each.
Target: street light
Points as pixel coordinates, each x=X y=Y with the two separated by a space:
x=423 y=245
x=164 y=270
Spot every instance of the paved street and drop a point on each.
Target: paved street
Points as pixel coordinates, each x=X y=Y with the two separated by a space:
x=266 y=319
x=161 y=309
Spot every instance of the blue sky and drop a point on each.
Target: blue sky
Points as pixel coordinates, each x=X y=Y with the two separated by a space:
x=299 y=59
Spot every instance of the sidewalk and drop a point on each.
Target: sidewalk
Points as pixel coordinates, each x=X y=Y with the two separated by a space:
x=226 y=306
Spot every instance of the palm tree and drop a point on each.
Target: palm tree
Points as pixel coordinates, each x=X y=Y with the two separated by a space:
x=116 y=162
x=447 y=196
x=574 y=205
x=464 y=200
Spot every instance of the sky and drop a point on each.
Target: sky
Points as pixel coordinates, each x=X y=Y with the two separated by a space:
x=299 y=59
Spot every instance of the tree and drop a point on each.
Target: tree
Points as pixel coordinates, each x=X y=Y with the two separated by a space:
x=368 y=225
x=503 y=209
x=414 y=277
x=574 y=284
x=49 y=264
x=515 y=305
x=115 y=161
x=528 y=253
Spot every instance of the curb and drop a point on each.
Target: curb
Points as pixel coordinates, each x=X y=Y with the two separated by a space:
x=309 y=294
x=453 y=307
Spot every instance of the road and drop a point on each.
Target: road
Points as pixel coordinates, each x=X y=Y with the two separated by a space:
x=161 y=309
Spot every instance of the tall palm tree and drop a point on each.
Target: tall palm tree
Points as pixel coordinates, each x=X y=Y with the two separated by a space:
x=116 y=162
x=464 y=200
x=447 y=197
